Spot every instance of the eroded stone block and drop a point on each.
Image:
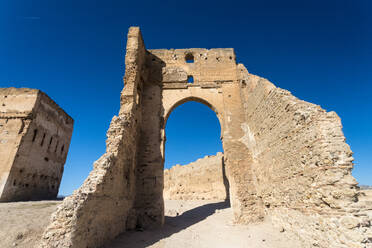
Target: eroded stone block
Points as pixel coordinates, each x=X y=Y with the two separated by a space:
x=35 y=135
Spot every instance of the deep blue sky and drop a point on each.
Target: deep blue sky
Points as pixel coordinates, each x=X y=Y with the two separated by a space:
x=74 y=51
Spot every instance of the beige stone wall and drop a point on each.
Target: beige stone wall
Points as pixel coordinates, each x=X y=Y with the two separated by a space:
x=10 y=140
x=208 y=66
x=284 y=158
x=302 y=166
x=203 y=179
x=15 y=108
x=35 y=134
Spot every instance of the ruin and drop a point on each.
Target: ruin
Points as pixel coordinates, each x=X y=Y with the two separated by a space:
x=35 y=135
x=284 y=157
x=203 y=179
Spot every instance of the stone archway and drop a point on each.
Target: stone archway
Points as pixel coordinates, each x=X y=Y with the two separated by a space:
x=284 y=157
x=165 y=87
x=174 y=100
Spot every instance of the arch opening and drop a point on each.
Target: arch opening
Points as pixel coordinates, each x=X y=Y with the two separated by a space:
x=189 y=58
x=192 y=131
x=190 y=79
x=196 y=100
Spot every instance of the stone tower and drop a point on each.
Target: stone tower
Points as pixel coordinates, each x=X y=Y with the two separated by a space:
x=35 y=135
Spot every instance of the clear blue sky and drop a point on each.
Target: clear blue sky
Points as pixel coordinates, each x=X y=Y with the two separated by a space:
x=74 y=51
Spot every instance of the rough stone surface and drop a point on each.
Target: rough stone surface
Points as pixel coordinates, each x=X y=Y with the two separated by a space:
x=284 y=158
x=302 y=167
x=203 y=179
x=35 y=135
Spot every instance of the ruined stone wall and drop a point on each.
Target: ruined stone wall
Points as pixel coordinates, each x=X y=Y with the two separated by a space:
x=302 y=166
x=207 y=66
x=103 y=206
x=284 y=158
x=35 y=138
x=203 y=179
x=149 y=204
x=15 y=109
x=215 y=84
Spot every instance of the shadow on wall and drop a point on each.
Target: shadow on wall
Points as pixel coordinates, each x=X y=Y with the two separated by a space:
x=142 y=239
x=225 y=180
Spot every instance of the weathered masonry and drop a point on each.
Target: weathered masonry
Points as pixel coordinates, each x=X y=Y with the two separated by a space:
x=284 y=158
x=203 y=179
x=35 y=135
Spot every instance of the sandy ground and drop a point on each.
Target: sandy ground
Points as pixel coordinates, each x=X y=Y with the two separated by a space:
x=188 y=224
x=204 y=224
x=22 y=223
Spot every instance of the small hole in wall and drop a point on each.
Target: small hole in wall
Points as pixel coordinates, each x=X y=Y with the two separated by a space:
x=50 y=142
x=46 y=159
x=14 y=182
x=5 y=96
x=34 y=137
x=42 y=140
x=189 y=58
x=230 y=57
x=55 y=150
x=190 y=79
x=3 y=105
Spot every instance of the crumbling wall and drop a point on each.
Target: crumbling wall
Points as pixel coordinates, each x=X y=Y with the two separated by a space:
x=149 y=203
x=15 y=112
x=103 y=206
x=284 y=158
x=203 y=179
x=215 y=84
x=302 y=166
x=35 y=135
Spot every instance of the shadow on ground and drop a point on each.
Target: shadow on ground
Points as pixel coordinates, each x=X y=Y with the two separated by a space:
x=141 y=239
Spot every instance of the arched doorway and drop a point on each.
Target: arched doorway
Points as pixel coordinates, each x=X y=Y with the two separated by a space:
x=193 y=138
x=192 y=109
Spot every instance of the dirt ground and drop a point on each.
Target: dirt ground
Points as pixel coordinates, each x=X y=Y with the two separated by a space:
x=22 y=223
x=204 y=224
x=188 y=224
